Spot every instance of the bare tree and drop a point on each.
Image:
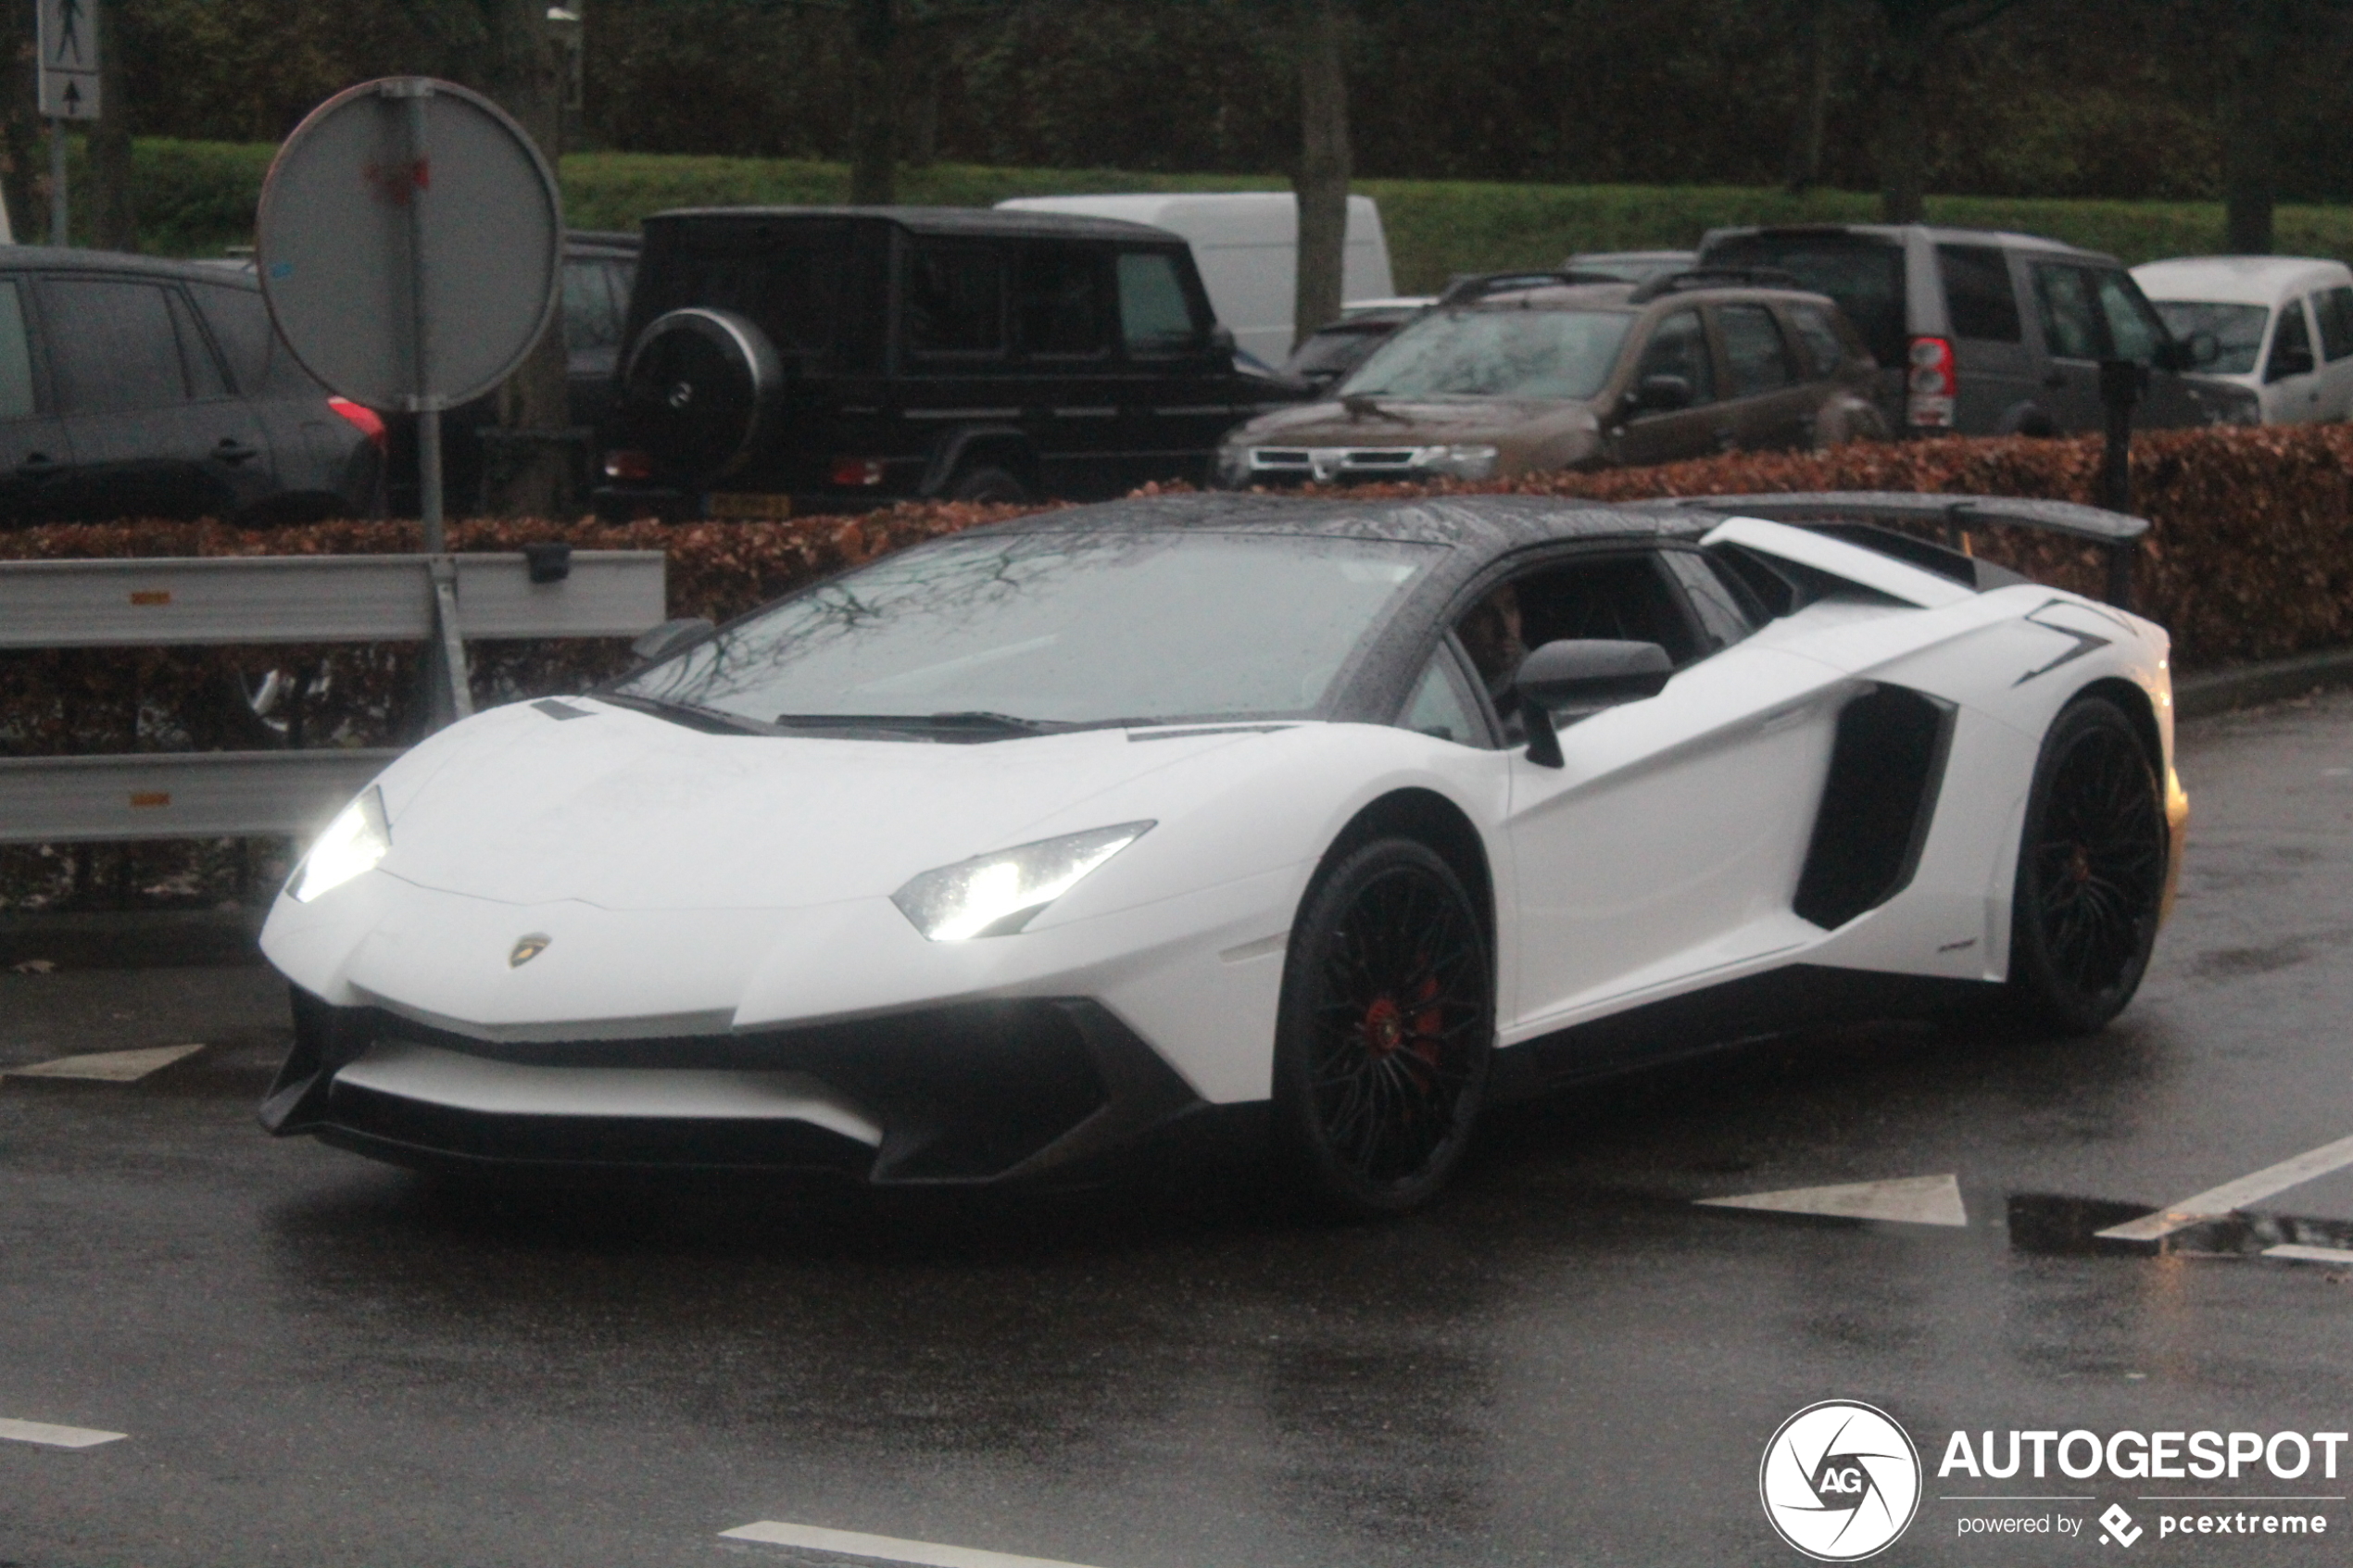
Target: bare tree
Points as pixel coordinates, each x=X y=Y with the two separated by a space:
x=1905 y=80
x=1804 y=168
x=1321 y=182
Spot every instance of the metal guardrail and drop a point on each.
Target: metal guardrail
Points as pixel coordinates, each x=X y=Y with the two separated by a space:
x=439 y=600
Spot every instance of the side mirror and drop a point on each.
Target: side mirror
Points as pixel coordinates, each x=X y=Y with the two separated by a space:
x=1659 y=395
x=2205 y=348
x=1584 y=675
x=670 y=636
x=1221 y=342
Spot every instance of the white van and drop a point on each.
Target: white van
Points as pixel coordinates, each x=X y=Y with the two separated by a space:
x=2284 y=323
x=1246 y=244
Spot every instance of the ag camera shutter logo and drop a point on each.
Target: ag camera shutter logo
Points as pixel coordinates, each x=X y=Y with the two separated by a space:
x=1841 y=1481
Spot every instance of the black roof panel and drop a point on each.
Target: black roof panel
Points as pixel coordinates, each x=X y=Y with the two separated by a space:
x=944 y=220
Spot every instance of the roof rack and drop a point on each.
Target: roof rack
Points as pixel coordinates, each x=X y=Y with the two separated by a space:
x=1714 y=278
x=2118 y=533
x=1464 y=287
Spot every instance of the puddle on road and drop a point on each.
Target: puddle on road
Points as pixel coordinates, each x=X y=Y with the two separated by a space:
x=2053 y=1224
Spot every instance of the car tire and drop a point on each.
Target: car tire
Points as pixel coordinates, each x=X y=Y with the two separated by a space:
x=2091 y=872
x=1385 y=1035
x=989 y=486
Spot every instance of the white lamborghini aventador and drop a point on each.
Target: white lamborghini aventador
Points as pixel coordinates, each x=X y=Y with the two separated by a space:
x=1044 y=844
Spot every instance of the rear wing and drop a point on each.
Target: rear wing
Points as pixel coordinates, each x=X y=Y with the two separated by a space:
x=2117 y=533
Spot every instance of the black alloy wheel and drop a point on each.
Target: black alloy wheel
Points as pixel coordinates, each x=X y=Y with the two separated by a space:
x=2091 y=872
x=1386 y=1031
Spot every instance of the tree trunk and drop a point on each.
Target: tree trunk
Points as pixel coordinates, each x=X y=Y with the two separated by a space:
x=1322 y=180
x=114 y=224
x=1804 y=170
x=1903 y=78
x=528 y=469
x=2250 y=125
x=873 y=104
x=919 y=139
x=25 y=186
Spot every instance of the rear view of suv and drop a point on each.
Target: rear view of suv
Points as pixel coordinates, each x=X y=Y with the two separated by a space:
x=780 y=360
x=1988 y=333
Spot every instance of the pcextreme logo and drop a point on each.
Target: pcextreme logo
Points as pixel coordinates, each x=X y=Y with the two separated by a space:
x=1840 y=1481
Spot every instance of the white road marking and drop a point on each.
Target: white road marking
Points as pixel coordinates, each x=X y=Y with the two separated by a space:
x=2297 y=1254
x=849 y=1543
x=2217 y=1203
x=110 y=1067
x=54 y=1437
x=1911 y=1200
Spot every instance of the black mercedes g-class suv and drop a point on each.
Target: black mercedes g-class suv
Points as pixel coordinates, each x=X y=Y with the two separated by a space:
x=781 y=360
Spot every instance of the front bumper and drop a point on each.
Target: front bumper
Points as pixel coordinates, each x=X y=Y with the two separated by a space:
x=970 y=1093
x=1272 y=465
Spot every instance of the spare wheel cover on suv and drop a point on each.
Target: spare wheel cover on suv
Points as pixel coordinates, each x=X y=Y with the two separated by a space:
x=701 y=391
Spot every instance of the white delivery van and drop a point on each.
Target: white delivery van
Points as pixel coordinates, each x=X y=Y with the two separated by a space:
x=1246 y=244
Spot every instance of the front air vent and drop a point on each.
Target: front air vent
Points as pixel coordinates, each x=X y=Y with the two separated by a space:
x=1886 y=768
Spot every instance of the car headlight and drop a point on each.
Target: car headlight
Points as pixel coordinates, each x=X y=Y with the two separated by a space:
x=354 y=842
x=1461 y=462
x=997 y=895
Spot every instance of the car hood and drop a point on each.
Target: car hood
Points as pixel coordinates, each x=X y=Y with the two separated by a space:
x=1529 y=432
x=627 y=811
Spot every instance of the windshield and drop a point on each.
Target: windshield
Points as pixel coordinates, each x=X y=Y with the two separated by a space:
x=2238 y=327
x=1559 y=354
x=1054 y=629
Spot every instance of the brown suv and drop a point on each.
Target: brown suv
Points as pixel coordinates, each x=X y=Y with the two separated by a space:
x=1567 y=372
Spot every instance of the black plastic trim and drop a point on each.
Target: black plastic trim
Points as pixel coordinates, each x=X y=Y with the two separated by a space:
x=1887 y=769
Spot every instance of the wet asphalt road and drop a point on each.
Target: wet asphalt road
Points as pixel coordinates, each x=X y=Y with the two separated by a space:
x=322 y=1362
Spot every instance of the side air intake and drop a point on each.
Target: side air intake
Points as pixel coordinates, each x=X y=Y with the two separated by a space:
x=1885 y=770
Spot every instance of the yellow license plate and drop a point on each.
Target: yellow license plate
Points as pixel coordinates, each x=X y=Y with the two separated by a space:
x=742 y=504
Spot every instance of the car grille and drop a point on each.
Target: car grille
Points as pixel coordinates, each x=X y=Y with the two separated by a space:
x=1334 y=465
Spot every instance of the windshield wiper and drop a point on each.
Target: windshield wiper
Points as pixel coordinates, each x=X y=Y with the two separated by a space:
x=693 y=714
x=969 y=724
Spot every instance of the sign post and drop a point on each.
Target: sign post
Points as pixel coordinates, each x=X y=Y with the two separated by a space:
x=411 y=248
x=68 y=46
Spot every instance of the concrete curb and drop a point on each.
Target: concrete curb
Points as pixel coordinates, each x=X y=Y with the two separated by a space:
x=2221 y=691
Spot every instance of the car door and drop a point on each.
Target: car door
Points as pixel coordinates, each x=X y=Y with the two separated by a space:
x=2137 y=333
x=2291 y=368
x=1063 y=339
x=1772 y=407
x=1178 y=394
x=1678 y=346
x=155 y=429
x=2067 y=310
x=1996 y=390
x=35 y=457
x=2332 y=310
x=1670 y=842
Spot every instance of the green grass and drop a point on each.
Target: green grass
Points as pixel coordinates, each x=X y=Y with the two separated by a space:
x=195 y=197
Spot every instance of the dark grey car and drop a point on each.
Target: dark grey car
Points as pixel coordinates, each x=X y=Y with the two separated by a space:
x=1982 y=333
x=131 y=387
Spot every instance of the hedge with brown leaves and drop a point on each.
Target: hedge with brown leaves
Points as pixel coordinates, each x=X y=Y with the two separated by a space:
x=2250 y=555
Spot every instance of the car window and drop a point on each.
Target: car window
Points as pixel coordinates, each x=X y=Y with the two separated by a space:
x=1821 y=339
x=592 y=314
x=793 y=285
x=2133 y=329
x=2239 y=330
x=1552 y=354
x=2291 y=346
x=1979 y=300
x=1753 y=350
x=1679 y=348
x=1155 y=317
x=113 y=345
x=1616 y=596
x=2334 y=312
x=1864 y=275
x=204 y=380
x=2071 y=318
x=1058 y=302
x=955 y=299
x=1084 y=628
x=1337 y=350
x=17 y=401
x=241 y=326
x=1441 y=707
x=1718 y=609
